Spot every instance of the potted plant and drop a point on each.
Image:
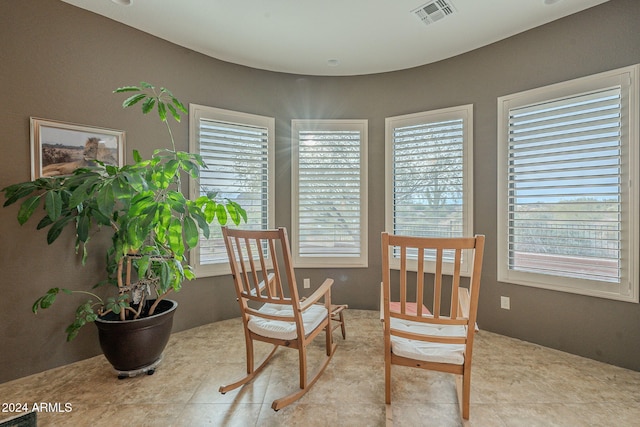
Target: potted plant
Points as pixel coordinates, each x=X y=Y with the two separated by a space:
x=153 y=227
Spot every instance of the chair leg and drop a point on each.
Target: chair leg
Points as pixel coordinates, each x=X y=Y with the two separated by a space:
x=248 y=345
x=328 y=333
x=342 y=327
x=251 y=372
x=387 y=379
x=302 y=364
x=466 y=393
x=463 y=386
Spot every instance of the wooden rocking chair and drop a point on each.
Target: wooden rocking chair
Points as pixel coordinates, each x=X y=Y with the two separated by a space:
x=271 y=310
x=441 y=338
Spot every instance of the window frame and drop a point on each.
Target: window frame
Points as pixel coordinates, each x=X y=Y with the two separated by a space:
x=627 y=290
x=340 y=261
x=198 y=112
x=464 y=113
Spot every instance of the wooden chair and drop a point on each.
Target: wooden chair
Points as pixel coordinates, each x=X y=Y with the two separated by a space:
x=271 y=310
x=440 y=339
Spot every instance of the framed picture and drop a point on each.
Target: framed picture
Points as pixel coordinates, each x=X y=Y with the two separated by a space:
x=59 y=148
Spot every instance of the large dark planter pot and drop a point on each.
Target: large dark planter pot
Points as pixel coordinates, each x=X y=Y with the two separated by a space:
x=136 y=346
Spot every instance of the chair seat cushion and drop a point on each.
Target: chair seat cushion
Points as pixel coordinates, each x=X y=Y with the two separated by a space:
x=283 y=330
x=428 y=351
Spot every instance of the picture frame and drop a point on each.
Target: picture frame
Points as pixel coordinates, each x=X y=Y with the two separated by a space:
x=58 y=148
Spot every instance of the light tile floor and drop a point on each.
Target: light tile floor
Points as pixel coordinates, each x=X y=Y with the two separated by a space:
x=514 y=383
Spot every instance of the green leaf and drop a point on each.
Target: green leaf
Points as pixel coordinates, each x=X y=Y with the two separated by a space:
x=72 y=332
x=15 y=192
x=127 y=89
x=240 y=209
x=133 y=99
x=177 y=201
x=170 y=168
x=106 y=200
x=190 y=232
x=238 y=212
x=82 y=227
x=44 y=222
x=201 y=201
x=140 y=203
x=121 y=189
x=174 y=113
x=149 y=216
x=133 y=236
x=111 y=170
x=148 y=105
x=210 y=210
x=53 y=204
x=165 y=275
x=56 y=228
x=162 y=111
x=146 y=85
x=199 y=217
x=179 y=104
x=100 y=217
x=221 y=214
x=84 y=254
x=143 y=266
x=175 y=236
x=79 y=195
x=188 y=274
x=136 y=156
x=192 y=169
x=27 y=208
x=233 y=213
x=46 y=300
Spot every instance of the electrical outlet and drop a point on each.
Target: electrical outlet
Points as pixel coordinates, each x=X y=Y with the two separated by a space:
x=505 y=302
x=306 y=283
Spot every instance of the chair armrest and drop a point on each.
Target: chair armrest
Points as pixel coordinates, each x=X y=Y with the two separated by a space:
x=319 y=293
x=381 y=302
x=464 y=301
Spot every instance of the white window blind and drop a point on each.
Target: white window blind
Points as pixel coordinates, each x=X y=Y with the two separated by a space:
x=237 y=149
x=429 y=172
x=330 y=187
x=567 y=200
x=564 y=187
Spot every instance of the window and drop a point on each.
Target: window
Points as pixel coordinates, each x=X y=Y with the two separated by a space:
x=329 y=193
x=429 y=171
x=238 y=150
x=568 y=186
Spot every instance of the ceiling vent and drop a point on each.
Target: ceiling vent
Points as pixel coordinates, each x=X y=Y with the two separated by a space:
x=434 y=11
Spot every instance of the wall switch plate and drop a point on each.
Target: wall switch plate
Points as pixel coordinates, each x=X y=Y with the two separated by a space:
x=505 y=302
x=306 y=283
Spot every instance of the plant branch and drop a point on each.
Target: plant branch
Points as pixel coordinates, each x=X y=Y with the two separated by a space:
x=160 y=298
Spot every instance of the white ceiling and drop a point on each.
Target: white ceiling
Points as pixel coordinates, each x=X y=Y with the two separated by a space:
x=331 y=37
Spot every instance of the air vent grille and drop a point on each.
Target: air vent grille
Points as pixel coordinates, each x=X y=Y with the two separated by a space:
x=434 y=11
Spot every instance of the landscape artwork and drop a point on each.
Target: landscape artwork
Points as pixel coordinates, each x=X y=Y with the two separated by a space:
x=59 y=148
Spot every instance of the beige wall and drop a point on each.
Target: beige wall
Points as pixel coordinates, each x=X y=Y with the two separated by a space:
x=59 y=62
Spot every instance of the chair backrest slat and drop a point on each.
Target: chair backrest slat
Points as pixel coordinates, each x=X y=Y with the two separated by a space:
x=403 y=280
x=252 y=266
x=262 y=270
x=437 y=284
x=420 y=284
x=455 y=283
